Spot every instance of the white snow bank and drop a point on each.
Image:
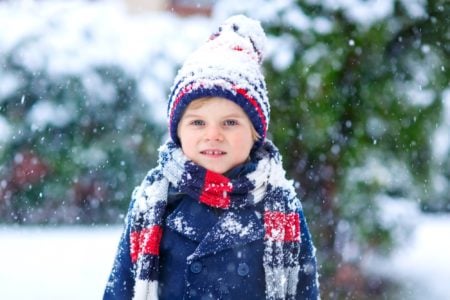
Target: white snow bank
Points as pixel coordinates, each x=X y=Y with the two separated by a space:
x=422 y=263
x=56 y=263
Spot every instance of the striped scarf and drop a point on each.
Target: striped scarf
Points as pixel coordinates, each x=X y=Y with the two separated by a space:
x=266 y=183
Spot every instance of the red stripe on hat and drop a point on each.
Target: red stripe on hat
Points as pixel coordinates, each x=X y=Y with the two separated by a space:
x=183 y=92
x=216 y=190
x=255 y=104
x=145 y=241
x=282 y=227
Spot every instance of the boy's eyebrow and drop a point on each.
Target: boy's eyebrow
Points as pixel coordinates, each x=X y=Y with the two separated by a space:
x=234 y=116
x=191 y=115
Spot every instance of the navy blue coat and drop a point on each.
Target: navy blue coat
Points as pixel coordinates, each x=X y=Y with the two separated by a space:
x=201 y=260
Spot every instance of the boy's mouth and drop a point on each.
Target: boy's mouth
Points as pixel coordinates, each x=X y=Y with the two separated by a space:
x=213 y=152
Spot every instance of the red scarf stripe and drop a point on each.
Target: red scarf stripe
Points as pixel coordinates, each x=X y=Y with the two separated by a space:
x=145 y=241
x=216 y=190
x=282 y=227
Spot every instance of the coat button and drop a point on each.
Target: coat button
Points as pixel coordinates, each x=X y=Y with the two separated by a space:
x=196 y=267
x=243 y=269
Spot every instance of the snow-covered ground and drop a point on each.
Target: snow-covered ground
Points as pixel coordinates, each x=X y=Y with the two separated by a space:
x=74 y=262
x=423 y=264
x=56 y=263
x=420 y=262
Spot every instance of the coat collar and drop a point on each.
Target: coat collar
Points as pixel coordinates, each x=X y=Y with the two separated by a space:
x=215 y=230
x=233 y=229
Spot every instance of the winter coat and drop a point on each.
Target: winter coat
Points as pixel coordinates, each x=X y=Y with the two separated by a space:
x=202 y=258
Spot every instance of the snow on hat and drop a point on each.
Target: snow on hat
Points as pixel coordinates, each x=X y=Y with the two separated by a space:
x=228 y=65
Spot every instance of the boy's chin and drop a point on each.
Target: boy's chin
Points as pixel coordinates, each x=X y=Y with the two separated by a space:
x=217 y=169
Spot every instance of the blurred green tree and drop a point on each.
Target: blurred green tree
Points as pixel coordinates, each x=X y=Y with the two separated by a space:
x=81 y=143
x=354 y=114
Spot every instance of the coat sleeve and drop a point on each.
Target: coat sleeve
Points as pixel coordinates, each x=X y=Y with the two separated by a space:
x=121 y=280
x=308 y=284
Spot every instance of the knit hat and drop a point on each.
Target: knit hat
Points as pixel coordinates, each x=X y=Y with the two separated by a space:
x=228 y=65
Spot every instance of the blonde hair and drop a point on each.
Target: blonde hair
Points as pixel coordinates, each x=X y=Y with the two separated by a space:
x=199 y=103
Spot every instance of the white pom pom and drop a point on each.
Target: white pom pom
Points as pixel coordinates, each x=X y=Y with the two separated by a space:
x=246 y=28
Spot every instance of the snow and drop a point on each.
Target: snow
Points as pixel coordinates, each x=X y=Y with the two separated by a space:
x=62 y=38
x=441 y=138
x=232 y=225
x=5 y=130
x=428 y=252
x=422 y=263
x=45 y=112
x=74 y=262
x=368 y=12
x=56 y=263
x=182 y=226
x=8 y=85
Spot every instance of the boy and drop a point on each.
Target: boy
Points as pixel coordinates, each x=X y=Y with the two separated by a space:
x=217 y=219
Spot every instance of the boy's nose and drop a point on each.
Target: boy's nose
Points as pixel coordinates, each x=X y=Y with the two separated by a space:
x=214 y=133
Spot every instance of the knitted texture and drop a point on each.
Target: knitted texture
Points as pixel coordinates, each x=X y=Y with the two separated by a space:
x=266 y=183
x=227 y=66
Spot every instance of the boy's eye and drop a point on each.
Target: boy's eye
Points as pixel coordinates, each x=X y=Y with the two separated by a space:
x=231 y=122
x=197 y=123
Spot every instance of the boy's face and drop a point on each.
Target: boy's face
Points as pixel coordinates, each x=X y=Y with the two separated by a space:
x=216 y=134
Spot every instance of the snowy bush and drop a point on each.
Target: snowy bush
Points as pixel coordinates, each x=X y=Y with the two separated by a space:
x=82 y=106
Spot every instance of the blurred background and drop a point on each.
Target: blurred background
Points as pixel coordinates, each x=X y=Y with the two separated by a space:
x=360 y=101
